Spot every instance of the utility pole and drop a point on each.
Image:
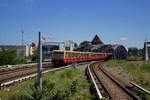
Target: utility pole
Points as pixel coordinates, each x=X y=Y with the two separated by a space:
x=22 y=31
x=40 y=62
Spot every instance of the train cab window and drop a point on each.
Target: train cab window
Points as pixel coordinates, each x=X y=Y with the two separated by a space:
x=58 y=55
x=73 y=55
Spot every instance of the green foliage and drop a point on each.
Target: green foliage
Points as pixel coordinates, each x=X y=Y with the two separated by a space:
x=115 y=63
x=140 y=72
x=35 y=56
x=132 y=51
x=9 y=57
x=33 y=44
x=74 y=86
x=134 y=58
x=65 y=85
x=85 y=43
x=146 y=67
x=135 y=54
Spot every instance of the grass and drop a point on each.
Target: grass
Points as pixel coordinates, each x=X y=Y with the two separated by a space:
x=140 y=71
x=68 y=84
x=134 y=58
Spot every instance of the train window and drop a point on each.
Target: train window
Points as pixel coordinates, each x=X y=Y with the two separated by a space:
x=76 y=55
x=66 y=55
x=70 y=55
x=58 y=55
x=73 y=55
x=84 y=55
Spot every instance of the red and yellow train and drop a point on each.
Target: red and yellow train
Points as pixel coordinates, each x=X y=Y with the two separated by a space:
x=61 y=57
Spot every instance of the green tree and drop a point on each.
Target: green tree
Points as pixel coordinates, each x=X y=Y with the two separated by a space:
x=33 y=44
x=85 y=43
x=9 y=57
x=133 y=51
x=35 y=56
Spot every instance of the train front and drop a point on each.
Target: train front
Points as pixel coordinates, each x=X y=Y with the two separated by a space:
x=58 y=57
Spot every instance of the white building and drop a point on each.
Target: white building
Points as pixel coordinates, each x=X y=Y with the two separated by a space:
x=22 y=51
x=69 y=45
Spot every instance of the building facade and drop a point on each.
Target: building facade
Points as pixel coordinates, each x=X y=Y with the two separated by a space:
x=22 y=51
x=69 y=45
x=48 y=47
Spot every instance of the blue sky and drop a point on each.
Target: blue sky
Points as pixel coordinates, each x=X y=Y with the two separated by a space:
x=124 y=22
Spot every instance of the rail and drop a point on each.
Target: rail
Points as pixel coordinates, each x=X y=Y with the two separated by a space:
x=116 y=90
x=29 y=76
x=120 y=85
x=98 y=91
x=139 y=87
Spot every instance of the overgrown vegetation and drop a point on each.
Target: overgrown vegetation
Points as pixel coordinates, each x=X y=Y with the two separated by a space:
x=68 y=84
x=140 y=72
x=34 y=57
x=132 y=58
x=135 y=54
x=9 y=57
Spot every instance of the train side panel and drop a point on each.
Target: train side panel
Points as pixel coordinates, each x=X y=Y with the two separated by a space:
x=65 y=57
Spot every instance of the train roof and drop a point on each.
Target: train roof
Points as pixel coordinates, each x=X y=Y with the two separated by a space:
x=77 y=52
x=58 y=50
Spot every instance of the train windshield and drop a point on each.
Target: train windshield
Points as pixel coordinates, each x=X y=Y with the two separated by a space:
x=58 y=55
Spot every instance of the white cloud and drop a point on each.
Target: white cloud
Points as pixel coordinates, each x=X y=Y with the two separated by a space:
x=123 y=39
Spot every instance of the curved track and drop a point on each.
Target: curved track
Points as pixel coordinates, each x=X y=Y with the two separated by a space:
x=115 y=90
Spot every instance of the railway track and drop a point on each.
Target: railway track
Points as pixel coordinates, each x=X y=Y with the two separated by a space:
x=13 y=76
x=18 y=73
x=113 y=87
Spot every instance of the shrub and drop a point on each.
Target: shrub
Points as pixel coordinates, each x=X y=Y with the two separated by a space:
x=9 y=57
x=116 y=63
x=146 y=67
x=51 y=87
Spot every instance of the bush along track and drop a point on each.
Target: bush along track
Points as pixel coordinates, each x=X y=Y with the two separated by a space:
x=67 y=84
x=137 y=72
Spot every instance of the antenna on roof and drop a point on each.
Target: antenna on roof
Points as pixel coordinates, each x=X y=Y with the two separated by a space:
x=22 y=31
